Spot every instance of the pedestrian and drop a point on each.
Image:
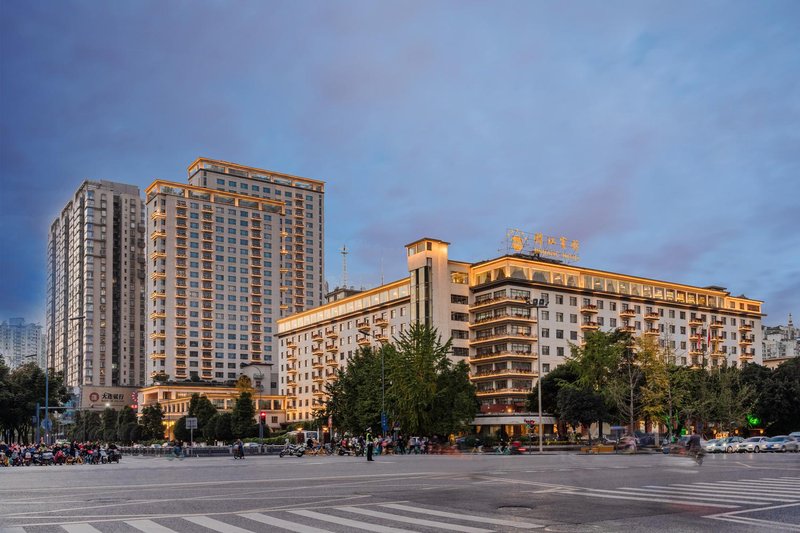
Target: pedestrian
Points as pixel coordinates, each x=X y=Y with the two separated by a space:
x=370 y=444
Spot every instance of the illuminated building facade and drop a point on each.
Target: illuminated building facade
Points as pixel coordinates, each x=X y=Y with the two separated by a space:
x=229 y=253
x=487 y=309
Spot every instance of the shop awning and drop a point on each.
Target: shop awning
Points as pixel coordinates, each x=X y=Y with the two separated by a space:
x=511 y=420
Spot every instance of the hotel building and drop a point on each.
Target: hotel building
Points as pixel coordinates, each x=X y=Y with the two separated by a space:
x=95 y=291
x=229 y=253
x=487 y=308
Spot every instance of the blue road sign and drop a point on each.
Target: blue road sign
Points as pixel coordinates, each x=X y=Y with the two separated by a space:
x=384 y=423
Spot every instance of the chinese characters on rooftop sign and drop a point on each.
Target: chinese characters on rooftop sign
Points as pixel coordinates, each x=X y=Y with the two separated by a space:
x=546 y=246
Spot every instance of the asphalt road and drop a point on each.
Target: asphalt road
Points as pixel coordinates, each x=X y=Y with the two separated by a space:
x=466 y=493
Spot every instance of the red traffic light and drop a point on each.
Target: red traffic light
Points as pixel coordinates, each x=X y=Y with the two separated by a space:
x=263 y=416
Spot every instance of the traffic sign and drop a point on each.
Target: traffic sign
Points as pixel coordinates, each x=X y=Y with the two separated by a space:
x=47 y=424
x=191 y=423
x=384 y=423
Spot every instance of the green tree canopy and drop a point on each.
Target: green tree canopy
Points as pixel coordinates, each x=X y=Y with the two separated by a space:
x=152 y=422
x=243 y=421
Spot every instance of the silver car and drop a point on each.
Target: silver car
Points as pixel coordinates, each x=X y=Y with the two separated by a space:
x=782 y=443
x=711 y=445
x=753 y=444
x=728 y=444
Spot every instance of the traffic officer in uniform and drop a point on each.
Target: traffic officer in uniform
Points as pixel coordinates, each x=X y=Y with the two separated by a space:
x=370 y=444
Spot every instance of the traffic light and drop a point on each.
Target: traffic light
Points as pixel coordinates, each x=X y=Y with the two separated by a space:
x=262 y=416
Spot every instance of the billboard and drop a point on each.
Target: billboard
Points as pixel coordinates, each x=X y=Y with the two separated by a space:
x=98 y=398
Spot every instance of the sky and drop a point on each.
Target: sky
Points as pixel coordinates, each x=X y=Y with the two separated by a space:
x=664 y=136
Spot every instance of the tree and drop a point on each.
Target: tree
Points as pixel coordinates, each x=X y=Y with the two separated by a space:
x=416 y=360
x=243 y=417
x=779 y=400
x=244 y=384
x=152 y=422
x=126 y=422
x=579 y=405
x=222 y=427
x=201 y=408
x=455 y=402
x=109 y=425
x=563 y=375
x=179 y=430
x=733 y=399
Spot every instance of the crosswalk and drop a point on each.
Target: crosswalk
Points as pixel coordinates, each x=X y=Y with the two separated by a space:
x=399 y=517
x=737 y=494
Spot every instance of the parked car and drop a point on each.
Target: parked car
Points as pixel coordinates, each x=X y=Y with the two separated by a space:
x=753 y=444
x=795 y=435
x=711 y=445
x=728 y=444
x=782 y=443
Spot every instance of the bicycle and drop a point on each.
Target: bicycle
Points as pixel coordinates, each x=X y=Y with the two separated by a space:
x=696 y=455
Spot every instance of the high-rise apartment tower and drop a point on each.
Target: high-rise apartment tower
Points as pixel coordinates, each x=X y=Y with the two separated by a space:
x=95 y=293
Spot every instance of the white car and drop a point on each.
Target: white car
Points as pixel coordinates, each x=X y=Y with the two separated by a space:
x=711 y=445
x=753 y=444
x=728 y=444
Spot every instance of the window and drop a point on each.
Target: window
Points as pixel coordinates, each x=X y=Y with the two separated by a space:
x=545 y=333
x=559 y=334
x=560 y=351
x=559 y=299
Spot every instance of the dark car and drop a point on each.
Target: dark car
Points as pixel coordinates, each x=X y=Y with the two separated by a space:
x=676 y=448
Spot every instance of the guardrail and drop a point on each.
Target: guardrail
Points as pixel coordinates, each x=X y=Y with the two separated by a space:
x=201 y=451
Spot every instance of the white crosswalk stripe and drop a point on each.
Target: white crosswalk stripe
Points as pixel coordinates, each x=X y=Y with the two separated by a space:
x=415 y=521
x=357 y=524
x=215 y=525
x=283 y=524
x=80 y=528
x=459 y=516
x=722 y=494
x=148 y=526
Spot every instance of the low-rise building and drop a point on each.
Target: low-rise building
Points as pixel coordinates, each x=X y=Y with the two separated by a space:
x=489 y=310
x=781 y=343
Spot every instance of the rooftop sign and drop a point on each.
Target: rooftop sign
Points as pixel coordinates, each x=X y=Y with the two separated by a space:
x=547 y=246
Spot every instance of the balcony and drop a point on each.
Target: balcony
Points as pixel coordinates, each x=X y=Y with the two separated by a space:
x=508 y=391
x=628 y=329
x=589 y=309
x=500 y=300
x=650 y=317
x=503 y=372
x=155 y=315
x=318 y=394
x=363 y=326
x=745 y=327
x=158 y=255
x=505 y=317
x=381 y=322
x=362 y=341
x=317 y=350
x=716 y=354
x=509 y=335
x=158 y=234
x=317 y=364
x=694 y=321
x=652 y=331
x=292 y=371
x=158 y=294
x=332 y=333
x=717 y=324
x=332 y=362
x=291 y=357
x=291 y=382
x=627 y=313
x=380 y=337
x=159 y=214
x=158 y=335
x=502 y=356
x=318 y=379
x=158 y=355
x=746 y=340
x=291 y=345
x=589 y=326
x=316 y=336
x=331 y=347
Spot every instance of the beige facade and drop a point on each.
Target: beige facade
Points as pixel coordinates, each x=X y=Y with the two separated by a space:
x=95 y=288
x=487 y=308
x=229 y=253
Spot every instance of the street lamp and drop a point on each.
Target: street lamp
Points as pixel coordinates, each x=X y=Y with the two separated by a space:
x=384 y=424
x=539 y=304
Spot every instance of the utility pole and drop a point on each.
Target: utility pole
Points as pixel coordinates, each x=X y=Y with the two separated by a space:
x=539 y=304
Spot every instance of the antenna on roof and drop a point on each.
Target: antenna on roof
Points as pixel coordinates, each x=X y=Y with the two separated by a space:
x=790 y=316
x=344 y=253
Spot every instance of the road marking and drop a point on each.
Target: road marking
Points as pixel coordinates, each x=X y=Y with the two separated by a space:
x=80 y=528
x=677 y=493
x=283 y=524
x=744 y=464
x=708 y=491
x=745 y=486
x=11 y=530
x=741 y=520
x=216 y=525
x=148 y=526
x=734 y=516
x=349 y=523
x=467 y=518
x=415 y=521
x=614 y=496
x=766 y=483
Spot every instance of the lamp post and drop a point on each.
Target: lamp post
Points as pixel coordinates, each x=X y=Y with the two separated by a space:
x=539 y=304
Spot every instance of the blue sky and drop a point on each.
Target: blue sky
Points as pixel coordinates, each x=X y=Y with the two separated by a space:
x=665 y=136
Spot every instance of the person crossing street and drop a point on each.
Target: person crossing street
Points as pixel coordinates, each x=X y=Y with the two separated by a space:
x=370 y=444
